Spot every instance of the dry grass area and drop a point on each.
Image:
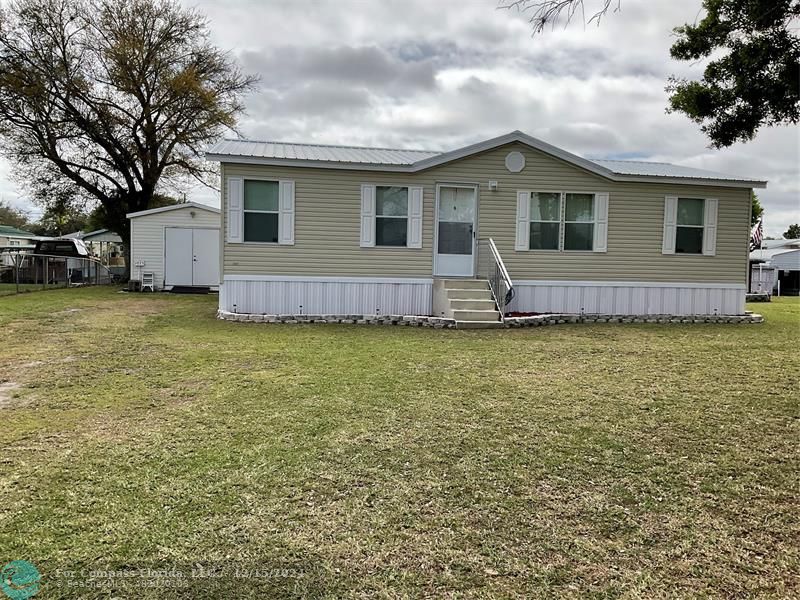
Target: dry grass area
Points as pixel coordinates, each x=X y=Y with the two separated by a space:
x=343 y=461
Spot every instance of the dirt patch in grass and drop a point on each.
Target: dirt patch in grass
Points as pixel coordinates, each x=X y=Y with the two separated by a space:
x=7 y=393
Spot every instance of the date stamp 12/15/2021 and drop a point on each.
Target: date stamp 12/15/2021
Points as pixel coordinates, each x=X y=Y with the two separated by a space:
x=21 y=580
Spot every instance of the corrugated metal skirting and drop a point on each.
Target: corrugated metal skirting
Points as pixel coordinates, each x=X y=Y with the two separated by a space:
x=367 y=297
x=546 y=297
x=288 y=297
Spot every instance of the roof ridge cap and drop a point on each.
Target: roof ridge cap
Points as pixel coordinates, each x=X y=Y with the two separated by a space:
x=647 y=162
x=318 y=145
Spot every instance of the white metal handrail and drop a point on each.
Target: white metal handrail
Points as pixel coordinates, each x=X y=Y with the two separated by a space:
x=497 y=275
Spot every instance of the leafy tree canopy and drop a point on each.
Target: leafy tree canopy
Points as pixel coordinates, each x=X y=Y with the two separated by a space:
x=112 y=100
x=793 y=233
x=12 y=216
x=753 y=79
x=756 y=210
x=60 y=219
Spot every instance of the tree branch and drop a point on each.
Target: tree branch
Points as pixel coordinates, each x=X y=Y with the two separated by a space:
x=548 y=13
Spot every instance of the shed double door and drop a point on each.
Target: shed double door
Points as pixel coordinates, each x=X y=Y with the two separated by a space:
x=191 y=257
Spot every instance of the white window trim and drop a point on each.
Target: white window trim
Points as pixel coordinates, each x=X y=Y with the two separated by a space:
x=408 y=216
x=560 y=221
x=710 y=225
x=268 y=212
x=703 y=226
x=563 y=222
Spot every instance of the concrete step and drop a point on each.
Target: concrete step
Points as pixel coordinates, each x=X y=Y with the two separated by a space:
x=469 y=294
x=466 y=284
x=478 y=324
x=476 y=315
x=472 y=304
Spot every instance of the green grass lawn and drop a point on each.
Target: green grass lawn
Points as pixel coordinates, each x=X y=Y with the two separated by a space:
x=332 y=460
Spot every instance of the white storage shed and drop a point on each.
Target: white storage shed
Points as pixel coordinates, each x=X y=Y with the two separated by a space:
x=178 y=244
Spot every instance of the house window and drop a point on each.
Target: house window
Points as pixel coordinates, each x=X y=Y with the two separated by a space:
x=260 y=211
x=690 y=226
x=391 y=216
x=579 y=222
x=545 y=220
x=14 y=243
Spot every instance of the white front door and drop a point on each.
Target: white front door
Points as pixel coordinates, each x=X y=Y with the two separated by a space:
x=177 y=256
x=455 y=230
x=205 y=268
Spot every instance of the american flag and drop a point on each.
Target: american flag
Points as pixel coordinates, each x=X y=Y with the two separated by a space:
x=756 y=235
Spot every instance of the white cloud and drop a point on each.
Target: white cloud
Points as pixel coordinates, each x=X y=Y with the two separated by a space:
x=422 y=74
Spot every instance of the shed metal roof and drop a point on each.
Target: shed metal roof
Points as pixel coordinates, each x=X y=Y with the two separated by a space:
x=343 y=157
x=171 y=207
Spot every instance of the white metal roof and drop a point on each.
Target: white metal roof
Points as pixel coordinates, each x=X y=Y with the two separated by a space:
x=80 y=235
x=780 y=243
x=154 y=211
x=387 y=159
x=661 y=169
x=787 y=261
x=320 y=152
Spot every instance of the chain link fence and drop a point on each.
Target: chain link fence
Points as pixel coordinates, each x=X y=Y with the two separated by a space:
x=26 y=271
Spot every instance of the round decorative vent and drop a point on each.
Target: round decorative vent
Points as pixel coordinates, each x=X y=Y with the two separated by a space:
x=515 y=162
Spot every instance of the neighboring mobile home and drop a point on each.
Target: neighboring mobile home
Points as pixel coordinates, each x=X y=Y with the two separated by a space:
x=104 y=245
x=776 y=261
x=345 y=230
x=12 y=241
x=11 y=236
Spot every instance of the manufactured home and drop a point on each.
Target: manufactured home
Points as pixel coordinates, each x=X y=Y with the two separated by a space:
x=512 y=225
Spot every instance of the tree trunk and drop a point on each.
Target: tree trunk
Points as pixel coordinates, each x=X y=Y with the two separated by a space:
x=126 y=253
x=116 y=220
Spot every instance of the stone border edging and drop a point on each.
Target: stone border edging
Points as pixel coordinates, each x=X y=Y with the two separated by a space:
x=510 y=322
x=558 y=319
x=414 y=321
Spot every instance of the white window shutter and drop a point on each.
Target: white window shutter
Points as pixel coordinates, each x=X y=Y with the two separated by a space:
x=523 y=220
x=414 y=239
x=600 y=222
x=286 y=212
x=367 y=216
x=670 y=221
x=235 y=213
x=710 y=231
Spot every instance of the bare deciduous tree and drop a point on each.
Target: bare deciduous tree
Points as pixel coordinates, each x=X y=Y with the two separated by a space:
x=548 y=13
x=113 y=98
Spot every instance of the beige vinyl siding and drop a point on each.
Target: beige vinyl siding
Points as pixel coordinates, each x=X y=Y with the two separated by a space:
x=147 y=237
x=327 y=224
x=327 y=229
x=6 y=240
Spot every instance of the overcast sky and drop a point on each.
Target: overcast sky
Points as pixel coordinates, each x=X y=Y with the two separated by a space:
x=439 y=74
